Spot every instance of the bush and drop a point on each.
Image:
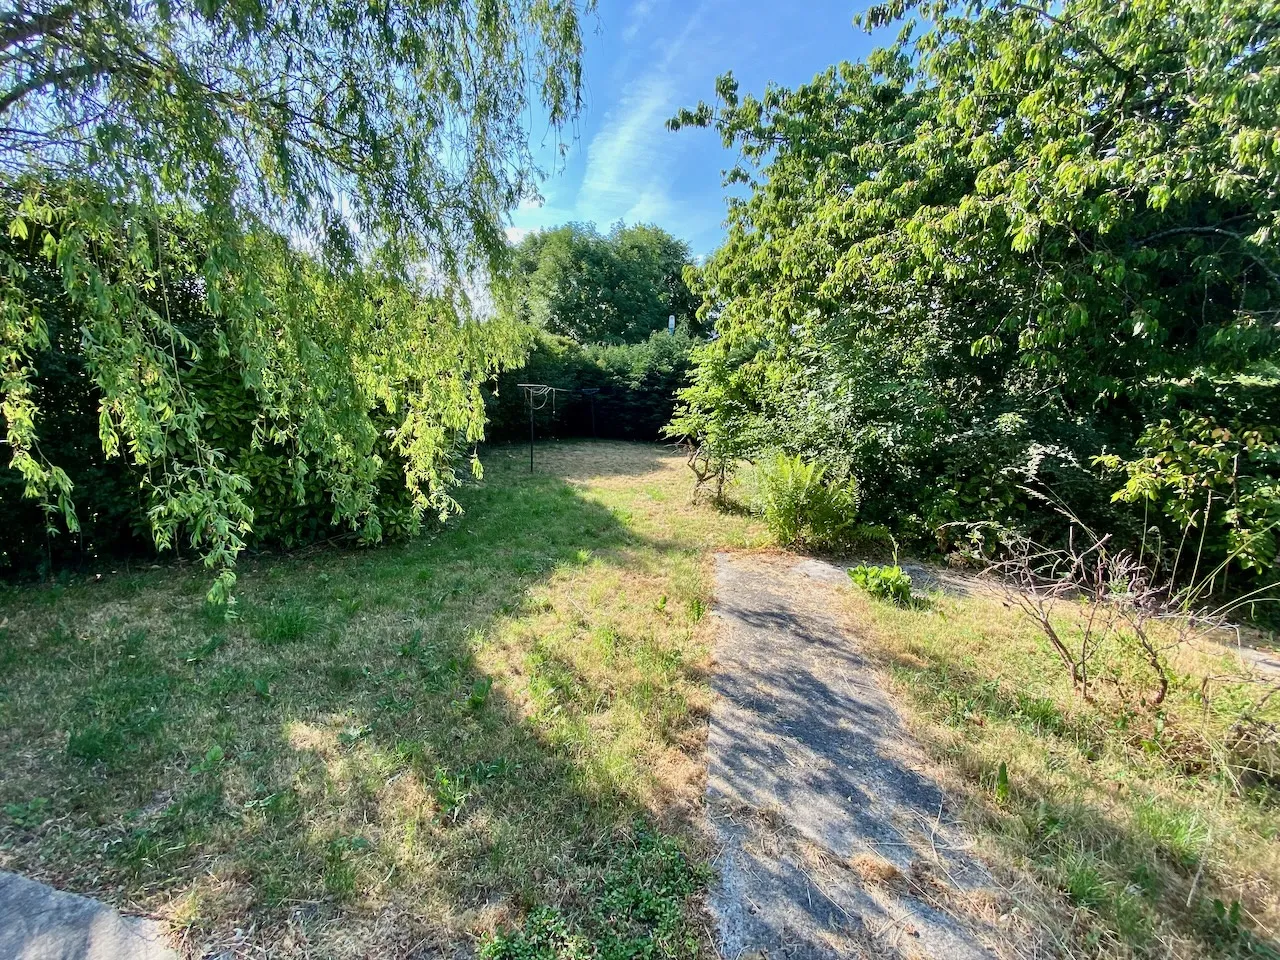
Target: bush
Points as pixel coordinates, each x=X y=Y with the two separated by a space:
x=799 y=503
x=891 y=584
x=910 y=291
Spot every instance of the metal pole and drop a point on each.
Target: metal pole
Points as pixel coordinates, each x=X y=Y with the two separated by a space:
x=529 y=396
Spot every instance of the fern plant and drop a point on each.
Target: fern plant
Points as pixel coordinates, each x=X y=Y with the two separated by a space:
x=799 y=503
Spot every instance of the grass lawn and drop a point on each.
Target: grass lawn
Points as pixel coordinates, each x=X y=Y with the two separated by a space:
x=389 y=750
x=491 y=738
x=1124 y=831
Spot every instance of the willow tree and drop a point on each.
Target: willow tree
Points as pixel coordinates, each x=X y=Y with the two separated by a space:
x=327 y=180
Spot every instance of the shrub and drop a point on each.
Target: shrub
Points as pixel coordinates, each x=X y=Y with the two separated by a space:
x=908 y=291
x=799 y=503
x=632 y=388
x=892 y=584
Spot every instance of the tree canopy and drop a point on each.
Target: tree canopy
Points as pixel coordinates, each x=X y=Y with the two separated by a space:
x=610 y=288
x=1027 y=251
x=300 y=193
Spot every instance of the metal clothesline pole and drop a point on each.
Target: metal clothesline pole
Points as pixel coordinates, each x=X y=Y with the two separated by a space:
x=532 y=390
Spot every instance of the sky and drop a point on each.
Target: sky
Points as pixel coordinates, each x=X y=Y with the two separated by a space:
x=643 y=61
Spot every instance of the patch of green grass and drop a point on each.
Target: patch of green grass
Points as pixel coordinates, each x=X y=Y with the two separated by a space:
x=287 y=623
x=123 y=711
x=487 y=709
x=1180 y=833
x=1083 y=880
x=644 y=907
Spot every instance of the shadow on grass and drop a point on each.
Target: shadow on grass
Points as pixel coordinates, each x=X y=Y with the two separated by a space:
x=1132 y=881
x=362 y=757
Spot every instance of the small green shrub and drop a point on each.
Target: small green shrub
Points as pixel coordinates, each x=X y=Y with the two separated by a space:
x=800 y=503
x=885 y=583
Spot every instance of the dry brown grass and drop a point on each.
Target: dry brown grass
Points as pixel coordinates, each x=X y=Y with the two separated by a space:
x=1122 y=825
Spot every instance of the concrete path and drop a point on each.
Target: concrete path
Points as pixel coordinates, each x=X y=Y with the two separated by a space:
x=40 y=923
x=834 y=841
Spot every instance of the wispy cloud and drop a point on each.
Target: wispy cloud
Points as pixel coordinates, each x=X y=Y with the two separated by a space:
x=640 y=11
x=630 y=162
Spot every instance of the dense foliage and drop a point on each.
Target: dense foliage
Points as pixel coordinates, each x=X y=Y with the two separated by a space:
x=618 y=287
x=624 y=391
x=155 y=159
x=359 y=486
x=1028 y=254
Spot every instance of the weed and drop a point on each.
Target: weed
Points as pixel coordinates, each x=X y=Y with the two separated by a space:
x=452 y=792
x=1002 y=783
x=479 y=694
x=890 y=584
x=644 y=908
x=354 y=734
x=32 y=813
x=212 y=759
x=340 y=874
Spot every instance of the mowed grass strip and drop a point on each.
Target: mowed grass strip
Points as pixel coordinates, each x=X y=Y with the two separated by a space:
x=1124 y=831
x=418 y=744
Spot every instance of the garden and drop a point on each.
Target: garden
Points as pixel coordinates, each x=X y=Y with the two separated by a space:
x=359 y=551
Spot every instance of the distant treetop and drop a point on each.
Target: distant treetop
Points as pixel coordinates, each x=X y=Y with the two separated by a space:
x=617 y=287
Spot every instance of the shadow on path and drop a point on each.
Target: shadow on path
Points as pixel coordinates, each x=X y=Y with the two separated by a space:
x=834 y=841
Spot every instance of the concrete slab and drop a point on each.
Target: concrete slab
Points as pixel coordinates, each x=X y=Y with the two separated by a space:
x=38 y=922
x=813 y=781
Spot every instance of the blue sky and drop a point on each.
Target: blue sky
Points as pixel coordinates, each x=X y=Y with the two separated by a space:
x=644 y=60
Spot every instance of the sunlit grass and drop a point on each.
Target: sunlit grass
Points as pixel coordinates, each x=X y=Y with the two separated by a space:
x=1135 y=840
x=419 y=743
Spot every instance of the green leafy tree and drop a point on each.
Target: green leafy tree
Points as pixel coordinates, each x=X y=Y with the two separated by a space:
x=610 y=288
x=1029 y=236
x=148 y=147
